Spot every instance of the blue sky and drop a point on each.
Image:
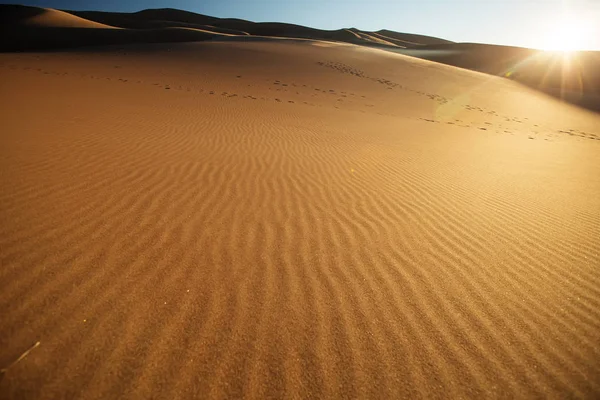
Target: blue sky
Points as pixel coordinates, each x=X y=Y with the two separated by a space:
x=529 y=23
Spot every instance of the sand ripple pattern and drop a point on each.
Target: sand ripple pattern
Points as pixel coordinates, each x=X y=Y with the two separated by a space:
x=228 y=252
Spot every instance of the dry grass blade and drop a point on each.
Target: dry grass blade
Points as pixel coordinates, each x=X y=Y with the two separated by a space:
x=22 y=356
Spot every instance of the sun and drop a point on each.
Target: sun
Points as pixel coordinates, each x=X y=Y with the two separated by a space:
x=566 y=34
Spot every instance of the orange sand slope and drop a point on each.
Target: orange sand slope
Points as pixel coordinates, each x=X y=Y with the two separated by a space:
x=292 y=219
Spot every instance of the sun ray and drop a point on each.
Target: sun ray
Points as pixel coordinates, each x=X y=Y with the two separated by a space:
x=567 y=33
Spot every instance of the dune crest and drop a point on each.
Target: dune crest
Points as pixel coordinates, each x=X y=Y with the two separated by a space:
x=50 y=18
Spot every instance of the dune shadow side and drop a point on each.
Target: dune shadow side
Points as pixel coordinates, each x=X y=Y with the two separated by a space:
x=28 y=39
x=13 y=12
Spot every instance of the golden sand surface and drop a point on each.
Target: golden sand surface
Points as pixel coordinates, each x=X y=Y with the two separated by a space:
x=292 y=219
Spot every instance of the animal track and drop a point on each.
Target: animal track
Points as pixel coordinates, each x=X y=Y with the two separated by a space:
x=343 y=68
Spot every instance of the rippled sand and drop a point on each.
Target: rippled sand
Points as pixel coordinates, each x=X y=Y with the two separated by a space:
x=292 y=219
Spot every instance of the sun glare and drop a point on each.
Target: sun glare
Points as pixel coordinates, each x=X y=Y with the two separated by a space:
x=567 y=34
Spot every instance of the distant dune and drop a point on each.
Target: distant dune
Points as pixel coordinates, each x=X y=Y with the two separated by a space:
x=29 y=28
x=408 y=39
x=148 y=18
x=16 y=16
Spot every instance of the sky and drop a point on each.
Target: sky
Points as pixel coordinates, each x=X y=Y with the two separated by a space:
x=547 y=24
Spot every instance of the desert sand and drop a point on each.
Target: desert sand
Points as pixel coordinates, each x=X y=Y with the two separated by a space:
x=280 y=218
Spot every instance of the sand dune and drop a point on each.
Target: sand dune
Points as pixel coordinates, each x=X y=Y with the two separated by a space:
x=146 y=18
x=412 y=39
x=45 y=18
x=28 y=28
x=292 y=219
x=22 y=25
x=161 y=18
x=372 y=38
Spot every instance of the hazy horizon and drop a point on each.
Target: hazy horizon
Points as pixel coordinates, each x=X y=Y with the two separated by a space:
x=529 y=23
